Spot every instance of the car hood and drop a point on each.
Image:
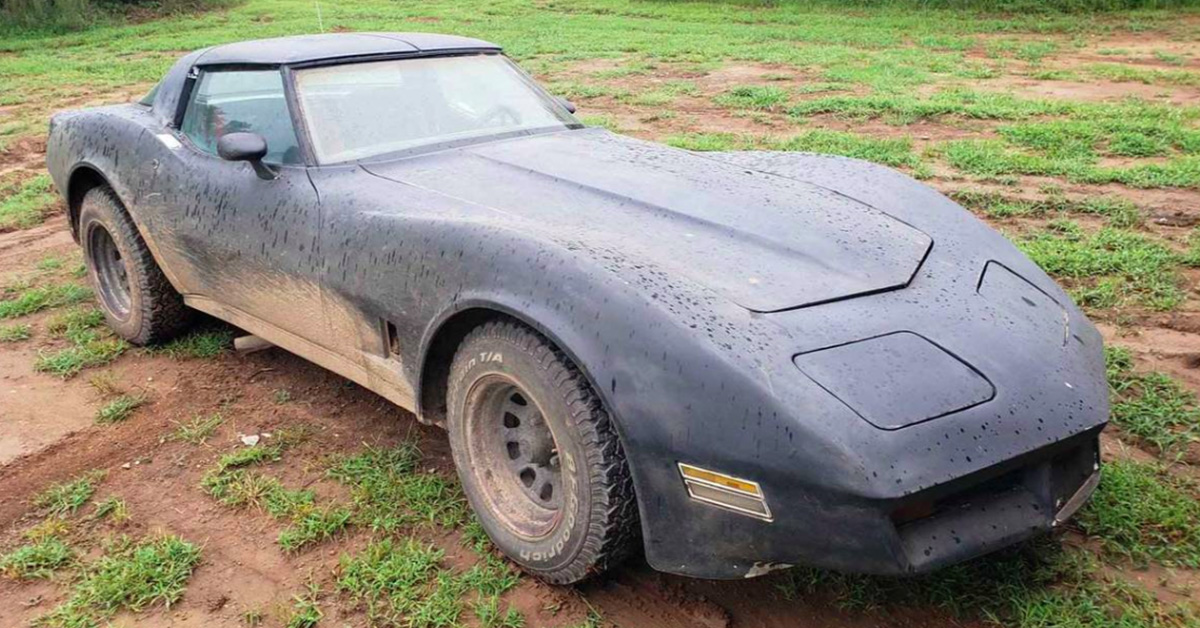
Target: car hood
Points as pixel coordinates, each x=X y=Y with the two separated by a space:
x=765 y=242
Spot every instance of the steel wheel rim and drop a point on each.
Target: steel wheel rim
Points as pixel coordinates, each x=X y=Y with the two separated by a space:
x=513 y=456
x=112 y=276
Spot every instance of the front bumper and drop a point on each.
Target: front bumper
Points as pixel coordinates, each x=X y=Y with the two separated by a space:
x=949 y=523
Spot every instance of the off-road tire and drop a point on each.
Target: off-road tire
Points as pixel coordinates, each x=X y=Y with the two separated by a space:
x=154 y=311
x=596 y=525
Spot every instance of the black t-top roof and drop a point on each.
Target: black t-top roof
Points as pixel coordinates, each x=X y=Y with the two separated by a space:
x=308 y=48
x=304 y=49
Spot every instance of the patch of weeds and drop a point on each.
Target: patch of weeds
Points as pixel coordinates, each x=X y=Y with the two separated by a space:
x=306 y=612
x=282 y=396
x=314 y=526
x=247 y=456
x=198 y=429
x=49 y=263
x=581 y=91
x=991 y=158
x=661 y=95
x=52 y=527
x=33 y=300
x=1192 y=256
x=1110 y=267
x=106 y=384
x=235 y=486
x=1169 y=57
x=475 y=537
x=242 y=488
x=1152 y=407
x=898 y=108
x=1120 y=212
x=490 y=616
x=756 y=97
x=37 y=560
x=68 y=362
x=113 y=508
x=130 y=576
x=388 y=577
x=603 y=121
x=25 y=204
x=1038 y=584
x=1119 y=73
x=820 y=88
x=1145 y=513
x=398 y=581
x=389 y=492
x=120 y=408
x=16 y=332
x=67 y=497
x=77 y=324
x=896 y=152
x=196 y=345
x=253 y=617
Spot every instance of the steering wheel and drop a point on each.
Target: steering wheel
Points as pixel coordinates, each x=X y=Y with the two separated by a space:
x=501 y=114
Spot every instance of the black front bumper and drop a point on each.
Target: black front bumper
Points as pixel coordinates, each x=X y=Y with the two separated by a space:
x=940 y=526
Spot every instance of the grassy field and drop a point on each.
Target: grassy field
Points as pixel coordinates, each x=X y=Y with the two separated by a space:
x=1076 y=134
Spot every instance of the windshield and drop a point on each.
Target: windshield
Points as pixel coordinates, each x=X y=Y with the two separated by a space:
x=360 y=110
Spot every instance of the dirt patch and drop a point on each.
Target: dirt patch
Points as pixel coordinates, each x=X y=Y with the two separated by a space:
x=25 y=152
x=1095 y=91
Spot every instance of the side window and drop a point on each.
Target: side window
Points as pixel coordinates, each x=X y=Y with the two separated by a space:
x=242 y=102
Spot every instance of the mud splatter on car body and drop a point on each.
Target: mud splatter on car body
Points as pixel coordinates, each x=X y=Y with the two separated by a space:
x=904 y=386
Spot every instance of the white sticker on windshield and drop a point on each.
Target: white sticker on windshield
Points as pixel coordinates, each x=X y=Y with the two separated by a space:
x=169 y=140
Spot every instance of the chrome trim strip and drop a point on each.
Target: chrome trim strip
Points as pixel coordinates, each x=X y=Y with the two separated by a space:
x=1078 y=499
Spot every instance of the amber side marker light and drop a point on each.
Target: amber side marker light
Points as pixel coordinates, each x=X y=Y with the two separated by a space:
x=725 y=491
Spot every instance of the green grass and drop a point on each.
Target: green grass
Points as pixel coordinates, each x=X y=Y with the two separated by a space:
x=15 y=332
x=313 y=526
x=756 y=97
x=390 y=492
x=37 y=560
x=992 y=159
x=1110 y=267
x=907 y=109
x=131 y=576
x=1145 y=513
x=77 y=324
x=1152 y=407
x=114 y=509
x=67 y=497
x=230 y=483
x=1117 y=211
x=25 y=204
x=1148 y=76
x=305 y=611
x=68 y=362
x=248 y=456
x=1039 y=584
x=897 y=152
x=120 y=408
x=402 y=582
x=36 y=299
x=197 y=430
x=198 y=345
x=492 y=616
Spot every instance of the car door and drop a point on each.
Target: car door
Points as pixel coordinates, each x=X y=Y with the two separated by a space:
x=230 y=237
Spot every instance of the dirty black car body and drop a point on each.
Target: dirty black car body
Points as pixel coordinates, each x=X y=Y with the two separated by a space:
x=807 y=359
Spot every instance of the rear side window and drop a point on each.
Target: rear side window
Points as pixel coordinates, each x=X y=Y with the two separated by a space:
x=241 y=102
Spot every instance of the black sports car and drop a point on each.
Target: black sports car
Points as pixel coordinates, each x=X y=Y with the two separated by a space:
x=744 y=360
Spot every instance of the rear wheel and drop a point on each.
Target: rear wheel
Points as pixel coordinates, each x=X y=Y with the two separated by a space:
x=538 y=456
x=138 y=302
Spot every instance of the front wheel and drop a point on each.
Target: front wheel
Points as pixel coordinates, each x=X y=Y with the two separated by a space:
x=538 y=456
x=138 y=302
